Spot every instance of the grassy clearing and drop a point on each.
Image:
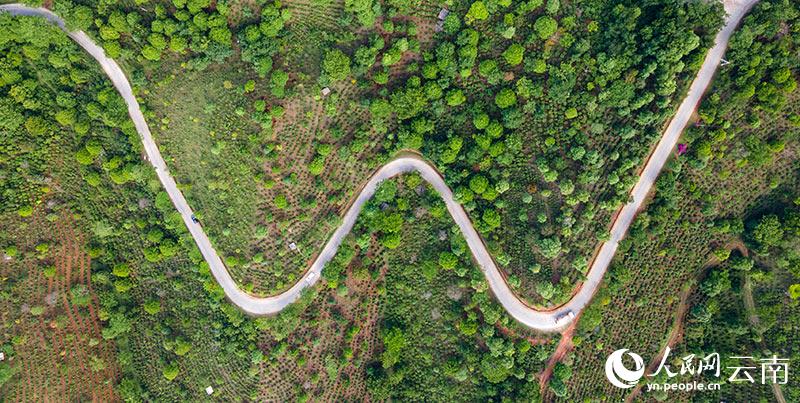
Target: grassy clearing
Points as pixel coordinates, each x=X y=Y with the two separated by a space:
x=200 y=124
x=252 y=187
x=238 y=178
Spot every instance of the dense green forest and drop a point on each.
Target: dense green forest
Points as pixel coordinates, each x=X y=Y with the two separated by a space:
x=537 y=113
x=271 y=115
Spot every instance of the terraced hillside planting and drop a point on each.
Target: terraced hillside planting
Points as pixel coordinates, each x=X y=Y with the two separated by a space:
x=82 y=193
x=350 y=340
x=52 y=335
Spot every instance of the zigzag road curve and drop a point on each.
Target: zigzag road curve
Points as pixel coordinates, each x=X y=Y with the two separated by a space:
x=544 y=321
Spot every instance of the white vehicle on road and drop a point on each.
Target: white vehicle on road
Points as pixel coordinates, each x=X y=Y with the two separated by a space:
x=564 y=318
x=311 y=278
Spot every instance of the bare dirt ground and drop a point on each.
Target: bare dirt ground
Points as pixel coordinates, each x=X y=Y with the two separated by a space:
x=564 y=346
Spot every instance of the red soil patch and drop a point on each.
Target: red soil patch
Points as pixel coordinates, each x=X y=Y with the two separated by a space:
x=564 y=347
x=54 y=357
x=514 y=335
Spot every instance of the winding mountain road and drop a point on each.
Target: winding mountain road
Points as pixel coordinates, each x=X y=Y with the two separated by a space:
x=545 y=321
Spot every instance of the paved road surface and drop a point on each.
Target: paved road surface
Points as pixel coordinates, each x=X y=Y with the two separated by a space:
x=545 y=321
x=736 y=10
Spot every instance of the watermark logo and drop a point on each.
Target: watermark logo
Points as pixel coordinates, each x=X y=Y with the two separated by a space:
x=772 y=370
x=618 y=374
